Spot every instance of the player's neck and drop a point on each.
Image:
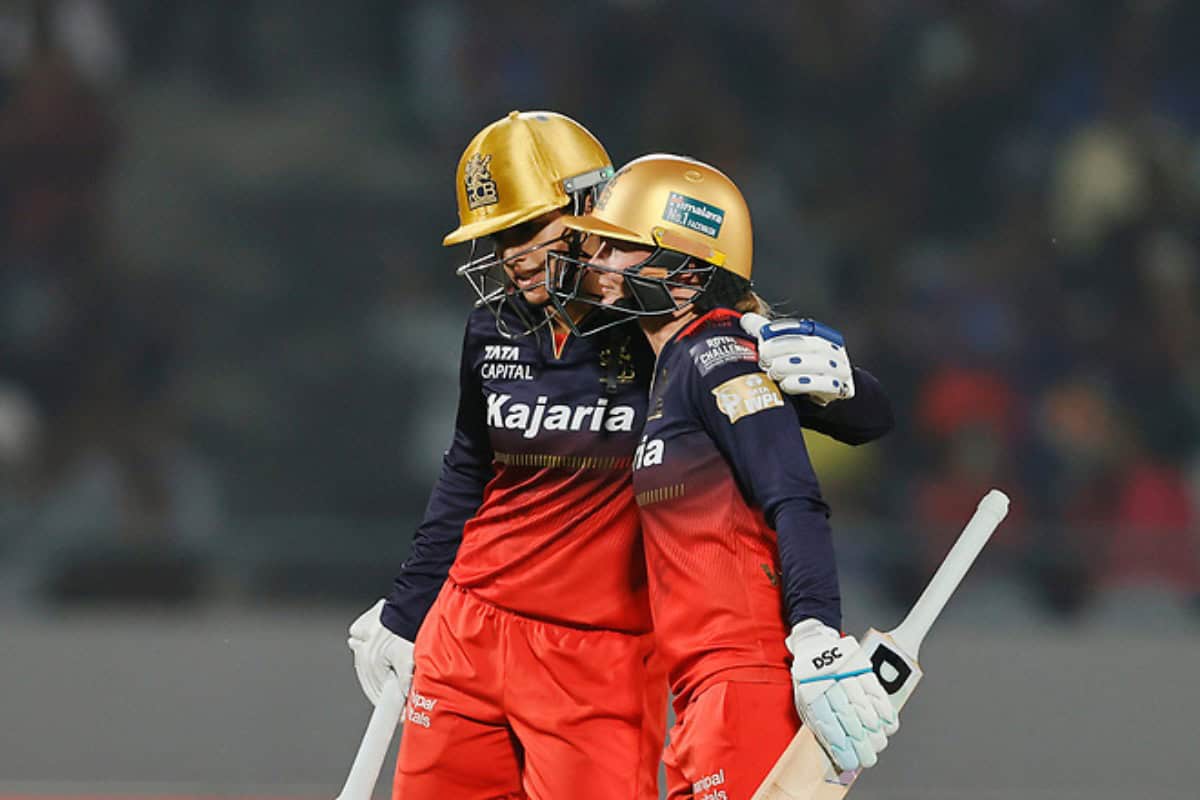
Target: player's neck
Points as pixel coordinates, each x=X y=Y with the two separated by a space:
x=576 y=311
x=660 y=330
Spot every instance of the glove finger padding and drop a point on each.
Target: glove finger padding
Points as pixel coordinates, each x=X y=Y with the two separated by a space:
x=371 y=687
x=811 y=350
x=826 y=721
x=867 y=756
x=878 y=741
x=824 y=387
x=785 y=367
x=821 y=719
x=881 y=704
x=863 y=707
x=891 y=724
x=847 y=714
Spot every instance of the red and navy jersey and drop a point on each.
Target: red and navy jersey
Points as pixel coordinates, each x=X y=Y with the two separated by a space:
x=535 y=492
x=737 y=536
x=534 y=509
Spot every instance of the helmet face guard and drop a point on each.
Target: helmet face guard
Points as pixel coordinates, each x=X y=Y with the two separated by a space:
x=494 y=289
x=647 y=286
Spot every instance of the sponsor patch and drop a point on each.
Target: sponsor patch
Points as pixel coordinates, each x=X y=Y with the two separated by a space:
x=694 y=214
x=501 y=352
x=530 y=420
x=477 y=179
x=747 y=394
x=708 y=787
x=502 y=363
x=420 y=709
x=491 y=371
x=719 y=350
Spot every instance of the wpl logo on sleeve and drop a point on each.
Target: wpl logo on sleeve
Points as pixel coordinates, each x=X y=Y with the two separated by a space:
x=747 y=394
x=694 y=214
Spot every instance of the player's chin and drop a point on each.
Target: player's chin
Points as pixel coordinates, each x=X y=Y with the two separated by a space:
x=536 y=296
x=611 y=299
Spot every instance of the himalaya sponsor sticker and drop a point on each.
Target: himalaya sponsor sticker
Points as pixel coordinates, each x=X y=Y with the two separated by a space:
x=694 y=214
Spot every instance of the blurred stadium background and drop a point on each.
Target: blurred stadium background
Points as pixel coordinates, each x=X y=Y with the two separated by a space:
x=228 y=352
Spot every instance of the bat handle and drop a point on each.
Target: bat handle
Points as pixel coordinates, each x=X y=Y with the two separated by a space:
x=368 y=761
x=991 y=511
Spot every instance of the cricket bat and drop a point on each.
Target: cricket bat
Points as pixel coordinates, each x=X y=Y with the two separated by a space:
x=372 y=752
x=805 y=771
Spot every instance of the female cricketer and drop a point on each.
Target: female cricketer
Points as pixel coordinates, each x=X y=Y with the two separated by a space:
x=523 y=602
x=742 y=582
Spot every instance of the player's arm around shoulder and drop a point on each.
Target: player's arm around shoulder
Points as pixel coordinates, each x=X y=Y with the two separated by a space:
x=734 y=398
x=749 y=418
x=809 y=360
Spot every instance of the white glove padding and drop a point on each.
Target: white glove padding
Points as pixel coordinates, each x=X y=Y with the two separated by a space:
x=378 y=654
x=838 y=695
x=803 y=357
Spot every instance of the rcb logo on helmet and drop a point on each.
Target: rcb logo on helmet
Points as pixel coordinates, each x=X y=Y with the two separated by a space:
x=481 y=189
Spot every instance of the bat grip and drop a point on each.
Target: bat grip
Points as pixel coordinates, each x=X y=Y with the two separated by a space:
x=991 y=511
x=373 y=751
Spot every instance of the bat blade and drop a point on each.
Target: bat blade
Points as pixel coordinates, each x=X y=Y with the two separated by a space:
x=804 y=771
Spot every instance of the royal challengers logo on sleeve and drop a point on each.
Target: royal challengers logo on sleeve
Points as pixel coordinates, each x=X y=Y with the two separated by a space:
x=747 y=394
x=720 y=350
x=477 y=180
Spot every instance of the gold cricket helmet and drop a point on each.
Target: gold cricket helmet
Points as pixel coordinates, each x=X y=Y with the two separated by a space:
x=521 y=167
x=675 y=203
x=691 y=218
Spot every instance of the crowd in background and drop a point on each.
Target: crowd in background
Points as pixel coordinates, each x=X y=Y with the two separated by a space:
x=224 y=307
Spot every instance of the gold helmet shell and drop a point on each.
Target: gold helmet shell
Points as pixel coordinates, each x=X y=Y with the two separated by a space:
x=678 y=204
x=521 y=167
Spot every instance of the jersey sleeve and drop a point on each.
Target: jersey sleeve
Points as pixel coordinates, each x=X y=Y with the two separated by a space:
x=457 y=495
x=863 y=418
x=759 y=435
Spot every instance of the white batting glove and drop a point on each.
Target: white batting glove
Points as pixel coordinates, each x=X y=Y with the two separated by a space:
x=803 y=357
x=379 y=654
x=838 y=696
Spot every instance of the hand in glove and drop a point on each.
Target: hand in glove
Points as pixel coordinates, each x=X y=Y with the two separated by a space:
x=803 y=357
x=379 y=654
x=838 y=695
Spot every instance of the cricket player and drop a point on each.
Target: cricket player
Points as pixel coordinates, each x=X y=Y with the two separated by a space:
x=742 y=582
x=523 y=604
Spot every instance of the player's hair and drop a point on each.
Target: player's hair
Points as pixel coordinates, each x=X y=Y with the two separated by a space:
x=751 y=302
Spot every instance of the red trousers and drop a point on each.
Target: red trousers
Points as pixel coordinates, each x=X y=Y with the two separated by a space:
x=503 y=706
x=727 y=739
